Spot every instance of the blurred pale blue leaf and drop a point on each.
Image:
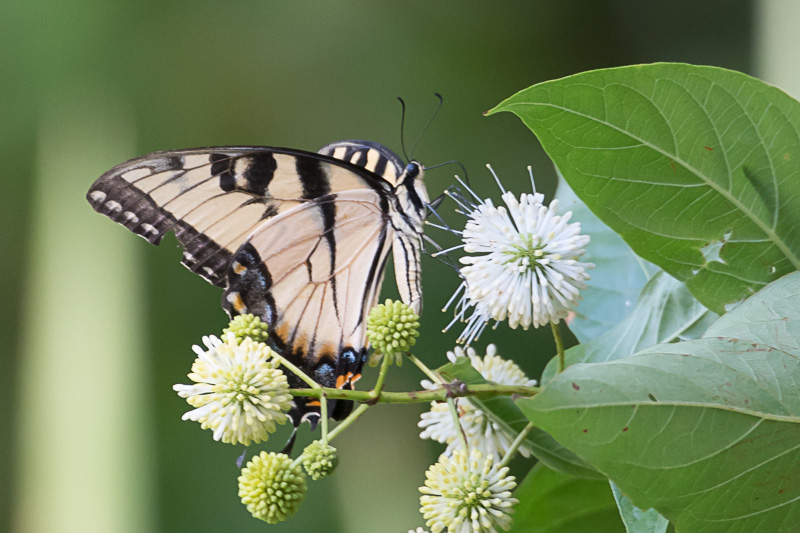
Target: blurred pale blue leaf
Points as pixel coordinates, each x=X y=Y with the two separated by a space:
x=636 y=520
x=617 y=278
x=666 y=311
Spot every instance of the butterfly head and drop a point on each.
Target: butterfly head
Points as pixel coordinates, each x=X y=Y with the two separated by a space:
x=412 y=193
x=413 y=171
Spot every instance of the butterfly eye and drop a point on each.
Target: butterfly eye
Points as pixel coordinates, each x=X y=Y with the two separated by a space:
x=413 y=170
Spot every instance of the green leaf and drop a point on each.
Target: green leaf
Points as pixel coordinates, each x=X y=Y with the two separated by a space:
x=617 y=278
x=664 y=312
x=552 y=502
x=695 y=167
x=504 y=412
x=769 y=317
x=636 y=520
x=706 y=431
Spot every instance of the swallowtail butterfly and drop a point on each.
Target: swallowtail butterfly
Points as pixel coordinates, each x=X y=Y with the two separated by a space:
x=297 y=238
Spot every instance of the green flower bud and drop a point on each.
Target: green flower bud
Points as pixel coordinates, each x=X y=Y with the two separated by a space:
x=272 y=487
x=320 y=459
x=391 y=330
x=243 y=326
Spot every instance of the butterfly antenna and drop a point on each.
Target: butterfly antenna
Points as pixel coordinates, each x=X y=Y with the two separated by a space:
x=453 y=162
x=435 y=111
x=403 y=127
x=440 y=255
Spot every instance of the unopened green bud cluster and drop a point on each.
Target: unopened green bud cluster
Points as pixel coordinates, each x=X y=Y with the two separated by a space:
x=320 y=459
x=392 y=329
x=243 y=326
x=272 y=487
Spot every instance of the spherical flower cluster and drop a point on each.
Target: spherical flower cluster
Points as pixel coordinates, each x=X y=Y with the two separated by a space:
x=524 y=266
x=391 y=330
x=239 y=391
x=320 y=459
x=272 y=487
x=243 y=326
x=482 y=433
x=467 y=493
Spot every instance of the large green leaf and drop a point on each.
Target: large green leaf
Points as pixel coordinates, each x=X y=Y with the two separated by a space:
x=552 y=502
x=617 y=278
x=706 y=431
x=505 y=413
x=664 y=312
x=695 y=167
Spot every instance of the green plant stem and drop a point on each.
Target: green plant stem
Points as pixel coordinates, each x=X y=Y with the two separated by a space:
x=323 y=412
x=482 y=391
x=347 y=421
x=427 y=371
x=297 y=372
x=559 y=346
x=376 y=391
x=512 y=450
x=457 y=421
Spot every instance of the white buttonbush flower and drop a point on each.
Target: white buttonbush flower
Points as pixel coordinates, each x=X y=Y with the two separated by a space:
x=467 y=493
x=482 y=433
x=239 y=391
x=523 y=265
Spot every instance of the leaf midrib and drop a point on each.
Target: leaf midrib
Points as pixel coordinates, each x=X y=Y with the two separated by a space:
x=723 y=192
x=671 y=403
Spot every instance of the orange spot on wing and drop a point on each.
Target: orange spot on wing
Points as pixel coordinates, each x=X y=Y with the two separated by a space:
x=237 y=303
x=281 y=331
x=341 y=381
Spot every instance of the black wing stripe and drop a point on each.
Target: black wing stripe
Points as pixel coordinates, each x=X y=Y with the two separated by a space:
x=313 y=178
x=221 y=165
x=380 y=166
x=260 y=172
x=361 y=158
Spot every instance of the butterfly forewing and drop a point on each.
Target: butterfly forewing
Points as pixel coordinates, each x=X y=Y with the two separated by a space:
x=369 y=155
x=213 y=198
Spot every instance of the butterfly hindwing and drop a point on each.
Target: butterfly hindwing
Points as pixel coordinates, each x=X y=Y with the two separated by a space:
x=312 y=273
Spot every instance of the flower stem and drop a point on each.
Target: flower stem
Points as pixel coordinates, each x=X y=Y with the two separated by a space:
x=512 y=450
x=482 y=391
x=457 y=421
x=296 y=371
x=323 y=411
x=559 y=346
x=427 y=371
x=347 y=421
x=376 y=391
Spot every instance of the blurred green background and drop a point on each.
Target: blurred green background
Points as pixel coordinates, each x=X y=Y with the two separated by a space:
x=97 y=325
